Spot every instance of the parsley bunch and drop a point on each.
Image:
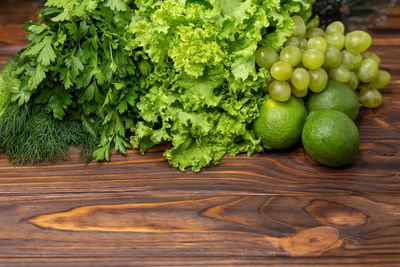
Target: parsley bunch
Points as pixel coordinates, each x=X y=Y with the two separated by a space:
x=76 y=68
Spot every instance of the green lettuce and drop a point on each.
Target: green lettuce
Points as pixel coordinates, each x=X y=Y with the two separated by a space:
x=204 y=89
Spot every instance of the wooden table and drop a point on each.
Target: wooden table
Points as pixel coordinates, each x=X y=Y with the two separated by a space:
x=272 y=208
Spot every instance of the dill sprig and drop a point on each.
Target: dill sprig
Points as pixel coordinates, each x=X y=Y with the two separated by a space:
x=29 y=133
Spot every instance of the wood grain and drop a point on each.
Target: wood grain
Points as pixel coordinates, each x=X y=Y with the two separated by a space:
x=376 y=172
x=274 y=208
x=145 y=224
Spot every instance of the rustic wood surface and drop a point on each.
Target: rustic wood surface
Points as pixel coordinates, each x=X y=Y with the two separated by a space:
x=273 y=208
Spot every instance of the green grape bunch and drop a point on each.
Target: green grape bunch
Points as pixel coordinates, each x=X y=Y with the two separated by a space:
x=311 y=57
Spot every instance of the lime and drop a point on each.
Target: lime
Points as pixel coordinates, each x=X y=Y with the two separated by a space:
x=279 y=124
x=331 y=138
x=336 y=96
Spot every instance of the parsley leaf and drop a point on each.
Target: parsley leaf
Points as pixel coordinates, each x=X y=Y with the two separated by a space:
x=47 y=54
x=38 y=76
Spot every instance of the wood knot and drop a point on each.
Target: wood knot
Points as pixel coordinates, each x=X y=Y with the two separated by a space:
x=336 y=214
x=316 y=239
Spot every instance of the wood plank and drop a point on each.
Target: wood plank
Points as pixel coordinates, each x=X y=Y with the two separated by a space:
x=217 y=225
x=377 y=171
x=12 y=35
x=275 y=208
x=20 y=11
x=200 y=261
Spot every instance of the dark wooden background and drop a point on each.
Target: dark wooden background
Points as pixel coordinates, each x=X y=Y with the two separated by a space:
x=272 y=208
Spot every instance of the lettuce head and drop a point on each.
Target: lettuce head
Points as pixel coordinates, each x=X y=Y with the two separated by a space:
x=203 y=87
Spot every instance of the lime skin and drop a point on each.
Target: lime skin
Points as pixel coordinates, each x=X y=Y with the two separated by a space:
x=336 y=96
x=331 y=138
x=279 y=124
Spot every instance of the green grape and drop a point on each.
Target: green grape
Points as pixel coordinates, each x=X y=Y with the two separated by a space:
x=370 y=98
x=333 y=58
x=315 y=32
x=266 y=57
x=293 y=41
x=291 y=55
x=354 y=82
x=318 y=43
x=281 y=71
x=336 y=26
x=335 y=39
x=358 y=41
x=340 y=74
x=280 y=91
x=382 y=80
x=313 y=58
x=318 y=80
x=299 y=27
x=368 y=71
x=303 y=44
x=351 y=61
x=299 y=93
x=374 y=56
x=300 y=79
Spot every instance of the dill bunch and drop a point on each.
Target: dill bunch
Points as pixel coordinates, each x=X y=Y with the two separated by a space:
x=29 y=133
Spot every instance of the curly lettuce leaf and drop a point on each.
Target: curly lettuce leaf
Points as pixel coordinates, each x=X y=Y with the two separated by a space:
x=204 y=92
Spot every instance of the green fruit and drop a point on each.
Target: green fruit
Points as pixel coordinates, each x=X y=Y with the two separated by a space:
x=291 y=55
x=280 y=91
x=358 y=41
x=368 y=71
x=374 y=56
x=299 y=93
x=315 y=32
x=382 y=80
x=300 y=79
x=370 y=98
x=335 y=39
x=336 y=96
x=281 y=71
x=350 y=60
x=318 y=80
x=354 y=82
x=333 y=58
x=266 y=57
x=331 y=138
x=279 y=124
x=299 y=27
x=317 y=43
x=340 y=74
x=336 y=26
x=313 y=58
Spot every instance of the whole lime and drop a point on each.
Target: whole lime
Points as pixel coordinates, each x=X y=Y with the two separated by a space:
x=279 y=124
x=336 y=96
x=331 y=138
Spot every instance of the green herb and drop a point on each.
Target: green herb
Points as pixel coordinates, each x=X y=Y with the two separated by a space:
x=76 y=66
x=165 y=71
x=32 y=134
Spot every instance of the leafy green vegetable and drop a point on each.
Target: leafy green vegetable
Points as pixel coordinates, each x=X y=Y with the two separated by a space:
x=30 y=134
x=144 y=73
x=204 y=92
x=76 y=67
